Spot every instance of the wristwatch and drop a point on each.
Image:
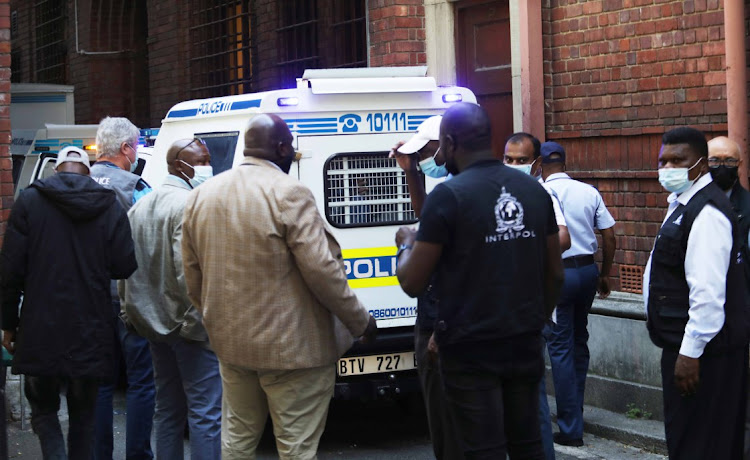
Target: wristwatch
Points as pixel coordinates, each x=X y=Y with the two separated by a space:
x=401 y=249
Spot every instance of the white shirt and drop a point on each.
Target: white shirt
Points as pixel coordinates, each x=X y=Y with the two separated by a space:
x=709 y=248
x=556 y=206
x=584 y=212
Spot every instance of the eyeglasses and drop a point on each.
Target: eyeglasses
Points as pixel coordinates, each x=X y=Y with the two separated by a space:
x=195 y=139
x=728 y=162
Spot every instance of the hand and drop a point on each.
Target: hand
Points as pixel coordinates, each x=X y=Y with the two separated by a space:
x=432 y=349
x=603 y=287
x=370 y=333
x=9 y=341
x=405 y=235
x=687 y=375
x=406 y=161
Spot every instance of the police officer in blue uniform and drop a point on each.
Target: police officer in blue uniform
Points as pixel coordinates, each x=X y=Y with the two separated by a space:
x=567 y=343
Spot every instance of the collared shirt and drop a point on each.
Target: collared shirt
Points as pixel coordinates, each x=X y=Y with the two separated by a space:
x=556 y=205
x=584 y=211
x=706 y=264
x=155 y=296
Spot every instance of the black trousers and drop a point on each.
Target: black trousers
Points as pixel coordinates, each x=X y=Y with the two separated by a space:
x=492 y=394
x=442 y=431
x=709 y=424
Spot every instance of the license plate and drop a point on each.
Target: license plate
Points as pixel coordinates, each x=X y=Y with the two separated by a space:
x=394 y=362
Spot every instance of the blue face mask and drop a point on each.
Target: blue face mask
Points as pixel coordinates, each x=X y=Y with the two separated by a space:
x=429 y=168
x=526 y=169
x=676 y=179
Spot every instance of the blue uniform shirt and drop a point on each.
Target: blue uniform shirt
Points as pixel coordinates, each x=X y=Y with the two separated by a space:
x=584 y=212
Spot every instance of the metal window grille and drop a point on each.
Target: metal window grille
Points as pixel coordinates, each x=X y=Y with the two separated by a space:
x=221 y=58
x=349 y=29
x=631 y=279
x=298 y=39
x=50 y=49
x=364 y=190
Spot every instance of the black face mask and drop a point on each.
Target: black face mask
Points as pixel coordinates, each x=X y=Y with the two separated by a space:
x=724 y=176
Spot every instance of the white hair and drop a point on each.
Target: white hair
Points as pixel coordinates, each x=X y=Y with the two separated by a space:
x=112 y=132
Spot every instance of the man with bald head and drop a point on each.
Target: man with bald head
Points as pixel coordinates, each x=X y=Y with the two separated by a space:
x=156 y=304
x=268 y=277
x=490 y=236
x=724 y=162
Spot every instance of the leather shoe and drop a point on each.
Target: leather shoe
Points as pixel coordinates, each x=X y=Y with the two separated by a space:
x=559 y=439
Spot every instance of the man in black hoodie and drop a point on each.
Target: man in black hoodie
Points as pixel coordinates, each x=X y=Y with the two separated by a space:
x=67 y=236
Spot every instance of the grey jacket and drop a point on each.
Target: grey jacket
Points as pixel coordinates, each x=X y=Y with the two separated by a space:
x=155 y=297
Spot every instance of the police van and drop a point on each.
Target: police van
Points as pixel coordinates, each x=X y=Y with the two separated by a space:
x=345 y=122
x=41 y=153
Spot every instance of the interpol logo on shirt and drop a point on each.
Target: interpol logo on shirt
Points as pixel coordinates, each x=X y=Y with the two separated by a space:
x=509 y=216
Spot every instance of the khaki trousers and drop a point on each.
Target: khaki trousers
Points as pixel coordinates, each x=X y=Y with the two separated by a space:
x=297 y=401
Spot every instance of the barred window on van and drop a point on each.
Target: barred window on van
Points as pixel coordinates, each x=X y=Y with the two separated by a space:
x=365 y=190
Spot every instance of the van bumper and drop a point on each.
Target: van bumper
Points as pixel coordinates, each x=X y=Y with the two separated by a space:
x=377 y=386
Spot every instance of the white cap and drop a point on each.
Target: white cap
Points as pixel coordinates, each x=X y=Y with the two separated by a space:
x=63 y=157
x=428 y=131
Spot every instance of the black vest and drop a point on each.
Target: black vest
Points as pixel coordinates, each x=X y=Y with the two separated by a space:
x=668 y=299
x=740 y=199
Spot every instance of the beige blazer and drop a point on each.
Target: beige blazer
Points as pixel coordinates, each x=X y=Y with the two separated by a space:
x=265 y=272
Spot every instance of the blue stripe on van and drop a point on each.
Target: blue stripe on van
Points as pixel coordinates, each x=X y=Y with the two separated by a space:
x=37 y=99
x=315 y=131
x=182 y=113
x=240 y=105
x=310 y=120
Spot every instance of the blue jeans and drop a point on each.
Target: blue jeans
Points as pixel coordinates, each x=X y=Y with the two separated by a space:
x=188 y=389
x=568 y=347
x=140 y=400
x=43 y=394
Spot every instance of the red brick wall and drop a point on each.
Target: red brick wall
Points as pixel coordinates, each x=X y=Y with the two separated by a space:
x=621 y=64
x=168 y=64
x=618 y=73
x=266 y=73
x=6 y=168
x=397 y=34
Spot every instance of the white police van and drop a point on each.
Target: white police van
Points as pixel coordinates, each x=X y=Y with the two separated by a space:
x=40 y=155
x=344 y=121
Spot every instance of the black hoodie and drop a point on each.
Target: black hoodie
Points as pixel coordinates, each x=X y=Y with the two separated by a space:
x=67 y=236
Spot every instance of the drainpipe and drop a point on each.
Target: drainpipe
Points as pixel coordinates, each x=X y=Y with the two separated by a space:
x=734 y=31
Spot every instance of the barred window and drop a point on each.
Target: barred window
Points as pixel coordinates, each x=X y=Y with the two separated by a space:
x=365 y=190
x=50 y=50
x=298 y=38
x=221 y=58
x=321 y=33
x=349 y=29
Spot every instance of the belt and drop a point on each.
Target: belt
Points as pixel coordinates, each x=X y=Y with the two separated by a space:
x=578 y=261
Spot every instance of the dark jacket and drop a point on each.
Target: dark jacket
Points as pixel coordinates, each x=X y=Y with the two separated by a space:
x=66 y=238
x=740 y=199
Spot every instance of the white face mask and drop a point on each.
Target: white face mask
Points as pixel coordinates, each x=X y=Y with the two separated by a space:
x=676 y=179
x=526 y=169
x=200 y=174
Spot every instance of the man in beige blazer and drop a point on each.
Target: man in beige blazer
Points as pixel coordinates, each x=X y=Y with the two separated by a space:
x=269 y=281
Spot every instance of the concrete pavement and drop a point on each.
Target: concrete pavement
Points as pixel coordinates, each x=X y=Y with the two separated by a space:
x=385 y=430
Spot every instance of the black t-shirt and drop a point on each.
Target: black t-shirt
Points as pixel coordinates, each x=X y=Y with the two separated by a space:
x=492 y=222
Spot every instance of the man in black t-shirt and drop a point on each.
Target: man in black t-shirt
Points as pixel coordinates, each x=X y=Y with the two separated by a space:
x=490 y=236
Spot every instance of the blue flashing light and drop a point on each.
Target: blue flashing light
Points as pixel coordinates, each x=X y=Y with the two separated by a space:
x=451 y=98
x=287 y=101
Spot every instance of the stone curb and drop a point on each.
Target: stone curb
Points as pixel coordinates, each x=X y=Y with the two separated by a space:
x=644 y=434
